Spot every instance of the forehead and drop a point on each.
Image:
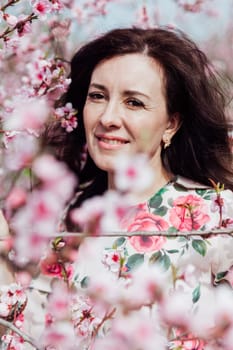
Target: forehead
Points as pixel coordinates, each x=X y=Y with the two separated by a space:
x=130 y=68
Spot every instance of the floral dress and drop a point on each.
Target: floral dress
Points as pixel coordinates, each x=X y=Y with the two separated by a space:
x=152 y=287
x=192 y=262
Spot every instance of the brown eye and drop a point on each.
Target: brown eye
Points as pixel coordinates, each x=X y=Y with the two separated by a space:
x=95 y=96
x=135 y=103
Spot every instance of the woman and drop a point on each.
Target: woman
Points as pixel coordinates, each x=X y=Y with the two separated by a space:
x=180 y=123
x=153 y=92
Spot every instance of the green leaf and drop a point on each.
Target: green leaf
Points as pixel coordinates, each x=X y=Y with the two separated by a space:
x=220 y=275
x=165 y=261
x=170 y=202
x=161 y=211
x=160 y=258
x=135 y=260
x=85 y=281
x=172 y=229
x=155 y=201
x=118 y=242
x=154 y=257
x=172 y=251
x=200 y=246
x=201 y=192
x=196 y=294
x=207 y=197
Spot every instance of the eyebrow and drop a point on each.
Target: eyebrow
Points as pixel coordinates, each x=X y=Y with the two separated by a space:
x=126 y=92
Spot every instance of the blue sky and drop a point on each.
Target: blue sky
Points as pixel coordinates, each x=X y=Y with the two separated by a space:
x=198 y=25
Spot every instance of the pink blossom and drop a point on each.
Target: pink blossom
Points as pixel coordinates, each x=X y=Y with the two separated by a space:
x=176 y=309
x=21 y=149
x=101 y=213
x=55 y=175
x=60 y=335
x=41 y=7
x=59 y=301
x=4 y=310
x=13 y=341
x=112 y=260
x=27 y=113
x=143 y=19
x=10 y=19
x=16 y=198
x=133 y=173
x=24 y=28
x=133 y=331
x=84 y=316
x=67 y=115
x=51 y=266
x=146 y=285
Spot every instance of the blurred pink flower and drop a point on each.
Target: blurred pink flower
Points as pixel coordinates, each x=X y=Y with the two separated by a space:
x=133 y=173
x=27 y=113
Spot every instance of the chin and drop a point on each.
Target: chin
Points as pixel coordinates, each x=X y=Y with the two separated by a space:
x=107 y=166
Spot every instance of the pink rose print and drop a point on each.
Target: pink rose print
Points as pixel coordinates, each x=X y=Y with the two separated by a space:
x=189 y=213
x=147 y=222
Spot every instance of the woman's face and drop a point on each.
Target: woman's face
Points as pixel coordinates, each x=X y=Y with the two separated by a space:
x=125 y=110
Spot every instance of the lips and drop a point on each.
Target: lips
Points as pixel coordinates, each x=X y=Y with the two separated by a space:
x=112 y=140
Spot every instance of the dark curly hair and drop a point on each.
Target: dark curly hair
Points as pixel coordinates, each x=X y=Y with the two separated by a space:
x=200 y=149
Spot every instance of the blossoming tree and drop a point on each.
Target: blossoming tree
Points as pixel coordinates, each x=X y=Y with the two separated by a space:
x=126 y=304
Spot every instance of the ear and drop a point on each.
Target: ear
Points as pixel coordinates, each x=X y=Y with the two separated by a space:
x=173 y=126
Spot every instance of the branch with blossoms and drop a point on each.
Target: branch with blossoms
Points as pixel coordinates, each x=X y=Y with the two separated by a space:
x=19 y=26
x=17 y=331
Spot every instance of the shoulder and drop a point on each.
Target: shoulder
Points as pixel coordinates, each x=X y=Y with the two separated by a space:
x=189 y=184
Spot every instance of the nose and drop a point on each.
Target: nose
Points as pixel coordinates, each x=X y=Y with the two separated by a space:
x=111 y=116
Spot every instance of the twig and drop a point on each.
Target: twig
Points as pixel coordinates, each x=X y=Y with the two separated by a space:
x=19 y=332
x=147 y=233
x=9 y=3
x=18 y=25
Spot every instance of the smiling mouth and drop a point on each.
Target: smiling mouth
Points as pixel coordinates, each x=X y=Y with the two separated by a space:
x=112 y=141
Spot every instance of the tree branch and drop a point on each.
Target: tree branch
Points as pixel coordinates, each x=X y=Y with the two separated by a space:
x=19 y=332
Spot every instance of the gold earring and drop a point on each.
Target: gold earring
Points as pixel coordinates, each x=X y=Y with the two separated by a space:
x=167 y=143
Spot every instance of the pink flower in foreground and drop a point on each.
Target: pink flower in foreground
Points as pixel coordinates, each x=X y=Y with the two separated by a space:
x=27 y=113
x=133 y=173
x=60 y=335
x=59 y=301
x=56 y=177
x=101 y=213
x=20 y=151
x=16 y=198
x=189 y=213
